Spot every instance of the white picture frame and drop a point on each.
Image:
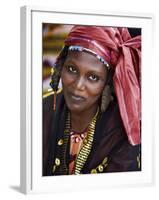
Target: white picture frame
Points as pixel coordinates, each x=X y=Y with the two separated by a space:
x=31 y=101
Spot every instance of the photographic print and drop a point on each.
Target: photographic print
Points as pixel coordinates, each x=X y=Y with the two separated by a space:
x=91 y=99
x=85 y=100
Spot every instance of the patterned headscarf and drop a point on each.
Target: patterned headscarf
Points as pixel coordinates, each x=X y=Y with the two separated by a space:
x=123 y=54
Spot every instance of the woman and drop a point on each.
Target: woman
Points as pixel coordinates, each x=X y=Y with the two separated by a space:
x=93 y=125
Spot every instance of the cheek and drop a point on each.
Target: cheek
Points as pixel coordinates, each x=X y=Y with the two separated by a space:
x=95 y=90
x=66 y=79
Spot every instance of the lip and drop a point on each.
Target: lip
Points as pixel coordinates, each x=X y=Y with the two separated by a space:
x=77 y=98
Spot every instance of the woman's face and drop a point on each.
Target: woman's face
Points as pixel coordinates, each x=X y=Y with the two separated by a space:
x=83 y=79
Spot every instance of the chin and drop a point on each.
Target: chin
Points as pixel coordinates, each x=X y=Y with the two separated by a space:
x=75 y=108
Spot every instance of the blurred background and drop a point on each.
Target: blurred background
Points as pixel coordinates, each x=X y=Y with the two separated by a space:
x=53 y=41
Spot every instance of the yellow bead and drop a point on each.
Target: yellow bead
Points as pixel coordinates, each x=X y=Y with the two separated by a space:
x=138 y=161
x=93 y=171
x=52 y=71
x=57 y=161
x=100 y=168
x=105 y=160
x=54 y=168
x=85 y=141
x=60 y=142
x=66 y=131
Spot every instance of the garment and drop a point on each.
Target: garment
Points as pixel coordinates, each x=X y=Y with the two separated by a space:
x=123 y=53
x=110 y=152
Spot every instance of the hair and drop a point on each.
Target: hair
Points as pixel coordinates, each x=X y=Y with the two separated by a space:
x=55 y=76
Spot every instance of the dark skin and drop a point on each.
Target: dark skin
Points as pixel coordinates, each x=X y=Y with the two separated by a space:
x=83 y=79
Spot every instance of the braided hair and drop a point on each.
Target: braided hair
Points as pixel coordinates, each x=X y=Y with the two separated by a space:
x=56 y=70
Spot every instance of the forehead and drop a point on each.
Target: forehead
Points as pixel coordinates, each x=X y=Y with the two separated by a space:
x=85 y=59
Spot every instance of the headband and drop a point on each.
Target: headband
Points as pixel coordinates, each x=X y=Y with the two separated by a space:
x=79 y=48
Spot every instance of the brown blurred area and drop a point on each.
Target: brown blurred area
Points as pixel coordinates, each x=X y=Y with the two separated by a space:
x=53 y=36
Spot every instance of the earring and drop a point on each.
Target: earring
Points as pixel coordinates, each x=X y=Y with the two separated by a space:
x=106 y=98
x=54 y=84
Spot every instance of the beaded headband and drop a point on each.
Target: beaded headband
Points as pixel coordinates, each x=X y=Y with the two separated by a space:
x=79 y=48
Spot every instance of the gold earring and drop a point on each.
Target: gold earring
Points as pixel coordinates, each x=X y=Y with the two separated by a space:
x=106 y=98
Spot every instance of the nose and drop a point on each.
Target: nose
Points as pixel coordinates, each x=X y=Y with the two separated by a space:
x=80 y=83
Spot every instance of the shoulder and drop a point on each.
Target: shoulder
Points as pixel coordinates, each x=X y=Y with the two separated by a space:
x=125 y=158
x=110 y=120
x=48 y=101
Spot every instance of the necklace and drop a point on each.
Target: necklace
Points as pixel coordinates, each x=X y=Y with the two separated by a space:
x=87 y=143
x=76 y=137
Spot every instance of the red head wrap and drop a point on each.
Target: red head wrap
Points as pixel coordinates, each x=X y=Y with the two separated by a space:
x=123 y=53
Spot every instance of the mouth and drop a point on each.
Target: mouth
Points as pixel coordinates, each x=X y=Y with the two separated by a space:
x=77 y=98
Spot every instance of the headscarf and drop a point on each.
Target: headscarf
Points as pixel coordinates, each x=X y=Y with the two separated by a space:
x=123 y=53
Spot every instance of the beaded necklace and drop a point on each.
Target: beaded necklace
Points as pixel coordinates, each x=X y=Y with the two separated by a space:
x=87 y=143
x=77 y=136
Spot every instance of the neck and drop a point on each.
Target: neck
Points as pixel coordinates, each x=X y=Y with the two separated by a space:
x=80 y=121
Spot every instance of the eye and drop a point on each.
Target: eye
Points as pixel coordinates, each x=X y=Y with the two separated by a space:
x=93 y=78
x=72 y=69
